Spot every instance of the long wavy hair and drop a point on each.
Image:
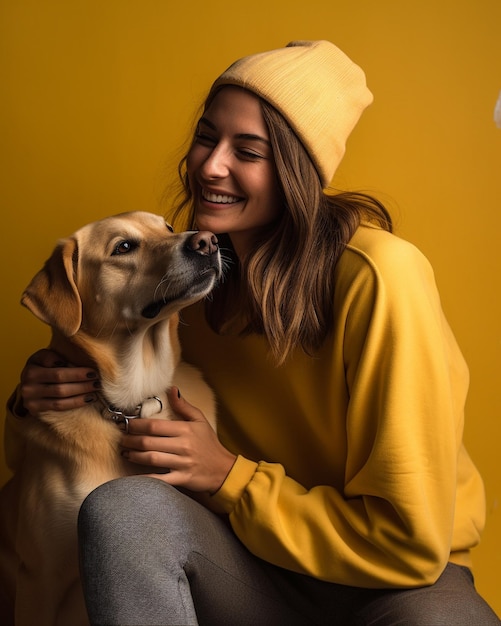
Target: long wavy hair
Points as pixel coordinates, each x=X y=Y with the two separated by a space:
x=284 y=288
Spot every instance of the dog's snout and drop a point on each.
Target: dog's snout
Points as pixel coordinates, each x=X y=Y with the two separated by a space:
x=203 y=242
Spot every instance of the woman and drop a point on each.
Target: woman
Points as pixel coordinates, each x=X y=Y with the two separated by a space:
x=338 y=490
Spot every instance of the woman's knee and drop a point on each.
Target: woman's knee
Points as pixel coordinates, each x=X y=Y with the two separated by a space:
x=122 y=501
x=130 y=494
x=132 y=510
x=145 y=511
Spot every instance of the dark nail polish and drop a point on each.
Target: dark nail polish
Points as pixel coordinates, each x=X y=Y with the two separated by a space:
x=89 y=399
x=60 y=364
x=96 y=384
x=91 y=374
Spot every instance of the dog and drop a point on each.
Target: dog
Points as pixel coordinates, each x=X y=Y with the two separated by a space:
x=111 y=294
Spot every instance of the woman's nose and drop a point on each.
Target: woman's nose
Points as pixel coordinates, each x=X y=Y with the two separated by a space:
x=216 y=164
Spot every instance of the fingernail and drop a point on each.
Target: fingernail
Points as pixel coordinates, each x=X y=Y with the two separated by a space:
x=91 y=374
x=96 y=384
x=60 y=364
x=89 y=399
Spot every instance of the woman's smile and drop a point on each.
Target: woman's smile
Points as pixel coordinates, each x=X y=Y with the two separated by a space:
x=219 y=198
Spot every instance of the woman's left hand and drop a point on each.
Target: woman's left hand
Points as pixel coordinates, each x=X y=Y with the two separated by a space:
x=188 y=447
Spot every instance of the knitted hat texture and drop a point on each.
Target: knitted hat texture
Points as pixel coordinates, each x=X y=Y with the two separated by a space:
x=316 y=87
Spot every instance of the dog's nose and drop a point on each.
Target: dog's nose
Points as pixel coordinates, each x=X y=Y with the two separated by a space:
x=203 y=242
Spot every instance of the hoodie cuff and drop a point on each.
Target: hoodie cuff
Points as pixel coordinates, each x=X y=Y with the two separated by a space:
x=233 y=488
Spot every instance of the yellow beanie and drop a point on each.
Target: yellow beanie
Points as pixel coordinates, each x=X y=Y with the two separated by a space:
x=316 y=87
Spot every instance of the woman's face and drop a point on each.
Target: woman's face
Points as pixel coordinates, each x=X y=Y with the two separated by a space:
x=231 y=170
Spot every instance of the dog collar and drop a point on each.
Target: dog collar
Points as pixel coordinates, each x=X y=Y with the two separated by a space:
x=121 y=417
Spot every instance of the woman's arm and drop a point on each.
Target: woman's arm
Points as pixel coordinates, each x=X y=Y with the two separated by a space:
x=188 y=447
x=47 y=383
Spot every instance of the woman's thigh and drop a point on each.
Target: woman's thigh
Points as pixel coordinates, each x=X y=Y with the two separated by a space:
x=152 y=555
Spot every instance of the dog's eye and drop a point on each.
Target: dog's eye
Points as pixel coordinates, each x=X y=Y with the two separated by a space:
x=169 y=227
x=124 y=247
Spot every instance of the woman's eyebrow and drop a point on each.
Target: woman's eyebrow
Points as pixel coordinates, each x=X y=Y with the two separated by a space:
x=253 y=138
x=250 y=136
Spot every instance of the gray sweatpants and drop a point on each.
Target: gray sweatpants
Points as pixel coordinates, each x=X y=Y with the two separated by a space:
x=150 y=555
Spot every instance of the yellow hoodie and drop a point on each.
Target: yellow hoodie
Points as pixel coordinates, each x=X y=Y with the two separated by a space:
x=351 y=466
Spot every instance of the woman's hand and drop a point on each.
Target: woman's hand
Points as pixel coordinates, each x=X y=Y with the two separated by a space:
x=48 y=383
x=188 y=447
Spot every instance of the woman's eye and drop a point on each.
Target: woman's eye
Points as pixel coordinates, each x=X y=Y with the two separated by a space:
x=251 y=156
x=205 y=139
x=124 y=247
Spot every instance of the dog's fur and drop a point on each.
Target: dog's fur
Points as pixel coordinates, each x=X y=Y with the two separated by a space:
x=111 y=294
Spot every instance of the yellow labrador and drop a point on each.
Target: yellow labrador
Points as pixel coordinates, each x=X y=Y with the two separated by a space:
x=111 y=293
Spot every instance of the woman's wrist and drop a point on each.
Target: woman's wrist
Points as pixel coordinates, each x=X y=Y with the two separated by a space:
x=226 y=468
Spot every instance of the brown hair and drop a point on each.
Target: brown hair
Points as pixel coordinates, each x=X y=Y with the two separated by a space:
x=284 y=288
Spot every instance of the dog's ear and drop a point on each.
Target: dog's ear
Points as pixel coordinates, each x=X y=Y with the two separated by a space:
x=53 y=295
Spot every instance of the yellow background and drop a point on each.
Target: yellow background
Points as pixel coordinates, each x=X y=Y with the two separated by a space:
x=97 y=97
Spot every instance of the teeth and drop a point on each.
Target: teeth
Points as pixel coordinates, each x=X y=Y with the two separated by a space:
x=213 y=197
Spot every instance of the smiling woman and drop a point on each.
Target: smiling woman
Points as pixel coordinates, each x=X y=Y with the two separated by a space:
x=231 y=169
x=279 y=216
